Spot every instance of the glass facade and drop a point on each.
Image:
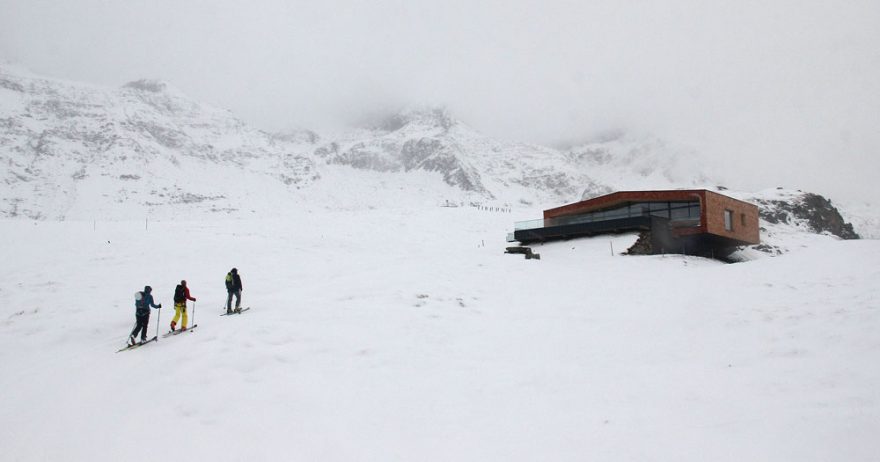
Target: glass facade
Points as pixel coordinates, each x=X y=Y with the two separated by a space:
x=679 y=214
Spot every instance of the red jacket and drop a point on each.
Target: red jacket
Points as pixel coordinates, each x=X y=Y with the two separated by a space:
x=186 y=296
x=186 y=293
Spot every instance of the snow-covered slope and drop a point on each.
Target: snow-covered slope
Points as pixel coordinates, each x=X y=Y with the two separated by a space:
x=432 y=140
x=386 y=328
x=405 y=334
x=75 y=151
x=79 y=151
x=523 y=174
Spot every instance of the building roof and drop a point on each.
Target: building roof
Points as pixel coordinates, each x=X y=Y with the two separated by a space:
x=622 y=197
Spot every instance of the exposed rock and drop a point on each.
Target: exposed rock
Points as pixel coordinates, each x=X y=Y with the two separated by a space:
x=366 y=157
x=642 y=246
x=527 y=251
x=297 y=136
x=432 y=117
x=433 y=155
x=595 y=190
x=768 y=249
x=549 y=181
x=11 y=85
x=814 y=210
x=68 y=145
x=152 y=86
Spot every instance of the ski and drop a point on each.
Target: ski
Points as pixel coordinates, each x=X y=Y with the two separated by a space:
x=239 y=312
x=138 y=344
x=179 y=331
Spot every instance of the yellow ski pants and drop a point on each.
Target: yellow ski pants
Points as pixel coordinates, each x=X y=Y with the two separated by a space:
x=179 y=309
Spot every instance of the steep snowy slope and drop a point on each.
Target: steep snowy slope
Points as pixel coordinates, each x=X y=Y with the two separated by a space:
x=73 y=150
x=432 y=140
x=514 y=173
x=77 y=151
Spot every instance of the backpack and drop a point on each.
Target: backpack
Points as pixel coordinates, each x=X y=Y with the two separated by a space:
x=139 y=301
x=228 y=281
x=179 y=294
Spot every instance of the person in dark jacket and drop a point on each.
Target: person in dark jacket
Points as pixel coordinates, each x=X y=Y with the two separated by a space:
x=233 y=287
x=142 y=314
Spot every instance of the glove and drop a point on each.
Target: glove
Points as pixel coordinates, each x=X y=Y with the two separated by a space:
x=194 y=299
x=159 y=305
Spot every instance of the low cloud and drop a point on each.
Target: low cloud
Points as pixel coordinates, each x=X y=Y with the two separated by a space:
x=786 y=92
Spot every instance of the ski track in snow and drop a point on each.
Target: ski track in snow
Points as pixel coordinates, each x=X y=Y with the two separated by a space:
x=391 y=334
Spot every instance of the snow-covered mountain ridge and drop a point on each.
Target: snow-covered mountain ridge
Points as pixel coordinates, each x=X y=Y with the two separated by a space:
x=72 y=150
x=77 y=151
x=149 y=146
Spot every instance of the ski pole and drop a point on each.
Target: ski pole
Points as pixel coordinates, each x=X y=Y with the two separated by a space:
x=194 y=315
x=158 y=317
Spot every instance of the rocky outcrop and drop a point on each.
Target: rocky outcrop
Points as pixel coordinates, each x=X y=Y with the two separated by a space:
x=415 y=140
x=812 y=210
x=433 y=155
x=642 y=246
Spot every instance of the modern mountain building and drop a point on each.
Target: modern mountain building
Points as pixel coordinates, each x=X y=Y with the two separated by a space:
x=694 y=221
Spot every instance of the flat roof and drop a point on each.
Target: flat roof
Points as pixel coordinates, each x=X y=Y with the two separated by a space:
x=620 y=197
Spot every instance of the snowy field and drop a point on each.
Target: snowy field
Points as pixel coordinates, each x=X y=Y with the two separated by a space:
x=408 y=335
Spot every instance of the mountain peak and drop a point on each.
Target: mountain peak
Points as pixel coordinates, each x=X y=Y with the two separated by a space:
x=148 y=85
x=426 y=116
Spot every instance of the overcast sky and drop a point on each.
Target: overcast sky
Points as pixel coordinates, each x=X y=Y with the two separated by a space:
x=780 y=92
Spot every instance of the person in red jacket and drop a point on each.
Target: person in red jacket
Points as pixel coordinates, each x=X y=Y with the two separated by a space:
x=181 y=295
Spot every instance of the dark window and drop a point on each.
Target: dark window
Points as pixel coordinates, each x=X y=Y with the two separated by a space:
x=617 y=213
x=638 y=209
x=684 y=210
x=682 y=213
x=679 y=212
x=660 y=213
x=742 y=220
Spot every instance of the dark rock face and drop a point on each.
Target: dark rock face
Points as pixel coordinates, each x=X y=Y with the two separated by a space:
x=433 y=155
x=434 y=117
x=815 y=210
x=11 y=85
x=642 y=246
x=152 y=86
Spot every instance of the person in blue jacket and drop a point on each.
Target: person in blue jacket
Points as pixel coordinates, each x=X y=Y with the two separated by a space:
x=142 y=314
